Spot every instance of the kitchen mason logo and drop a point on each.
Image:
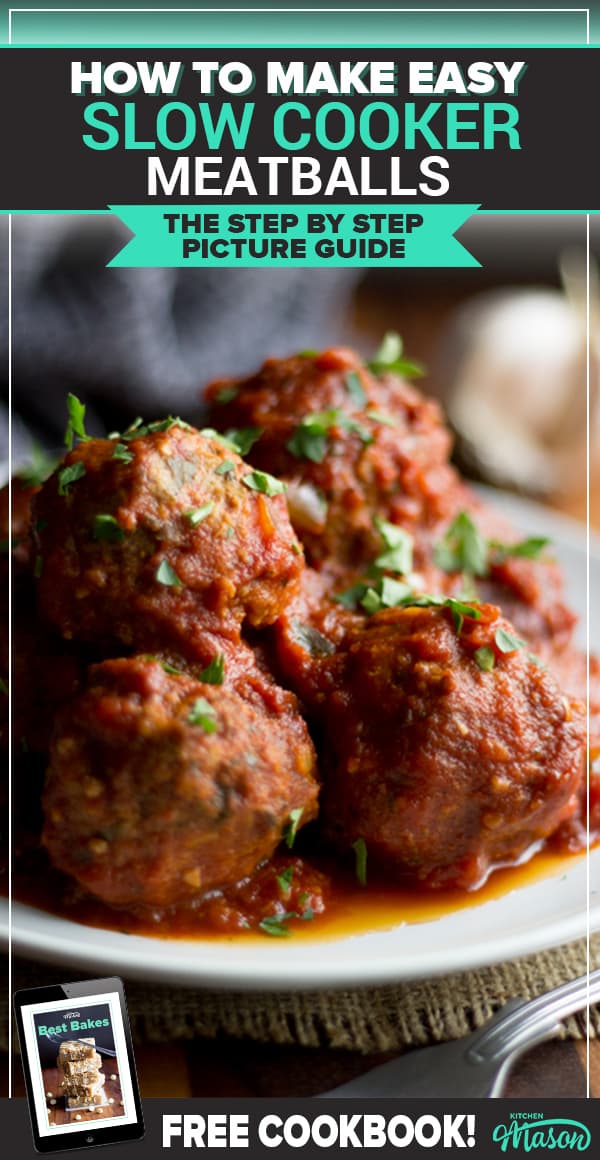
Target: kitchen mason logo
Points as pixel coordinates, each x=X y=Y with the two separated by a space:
x=531 y=1132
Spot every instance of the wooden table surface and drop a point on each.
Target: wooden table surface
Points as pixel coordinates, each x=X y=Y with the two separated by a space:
x=242 y=1068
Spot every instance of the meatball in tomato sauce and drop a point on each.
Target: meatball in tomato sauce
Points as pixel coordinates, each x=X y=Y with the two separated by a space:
x=155 y=541
x=161 y=788
x=448 y=750
x=351 y=444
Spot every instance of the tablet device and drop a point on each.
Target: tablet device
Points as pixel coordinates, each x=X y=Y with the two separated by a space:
x=78 y=1063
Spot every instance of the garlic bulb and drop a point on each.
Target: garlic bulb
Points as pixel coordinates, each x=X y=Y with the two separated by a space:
x=513 y=375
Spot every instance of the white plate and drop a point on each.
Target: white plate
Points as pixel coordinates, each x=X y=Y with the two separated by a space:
x=526 y=920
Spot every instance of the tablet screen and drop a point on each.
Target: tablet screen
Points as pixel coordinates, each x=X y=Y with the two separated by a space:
x=77 y=1056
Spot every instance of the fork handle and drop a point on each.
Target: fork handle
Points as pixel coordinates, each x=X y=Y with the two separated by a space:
x=535 y=1021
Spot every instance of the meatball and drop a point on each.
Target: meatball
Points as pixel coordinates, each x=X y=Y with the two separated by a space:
x=155 y=541
x=161 y=788
x=352 y=445
x=448 y=749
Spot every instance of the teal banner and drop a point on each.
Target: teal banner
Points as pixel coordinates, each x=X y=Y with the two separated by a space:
x=294 y=235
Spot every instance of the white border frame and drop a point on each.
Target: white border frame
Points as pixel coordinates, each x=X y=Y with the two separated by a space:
x=45 y=11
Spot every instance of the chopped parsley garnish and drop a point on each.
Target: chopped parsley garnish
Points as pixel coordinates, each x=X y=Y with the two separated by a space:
x=164 y=665
x=203 y=714
x=485 y=658
x=310 y=439
x=40 y=466
x=536 y=661
x=106 y=527
x=76 y=424
x=243 y=438
x=355 y=389
x=360 y=860
x=70 y=475
x=226 y=468
x=291 y=828
x=275 y=924
x=312 y=640
x=196 y=515
x=530 y=548
x=308 y=353
x=227 y=394
x=224 y=440
x=506 y=642
x=167 y=575
x=38 y=566
x=380 y=417
x=386 y=593
x=214 y=673
x=262 y=481
x=389 y=593
x=122 y=453
x=463 y=548
x=284 y=880
x=296 y=549
x=138 y=428
x=351 y=597
x=388 y=358
x=399 y=544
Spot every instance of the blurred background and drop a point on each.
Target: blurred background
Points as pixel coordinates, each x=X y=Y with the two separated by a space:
x=504 y=346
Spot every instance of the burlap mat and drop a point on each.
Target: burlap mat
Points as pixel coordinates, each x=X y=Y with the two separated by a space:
x=374 y=1019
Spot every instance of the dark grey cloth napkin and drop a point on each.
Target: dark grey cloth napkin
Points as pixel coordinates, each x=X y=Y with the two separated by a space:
x=142 y=341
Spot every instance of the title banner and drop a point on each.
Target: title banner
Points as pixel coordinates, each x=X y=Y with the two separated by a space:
x=293 y=235
x=506 y=128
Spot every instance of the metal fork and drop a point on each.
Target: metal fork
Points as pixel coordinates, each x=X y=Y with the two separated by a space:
x=478 y=1064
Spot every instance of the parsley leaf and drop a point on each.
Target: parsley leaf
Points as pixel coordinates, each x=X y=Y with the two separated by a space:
x=463 y=548
x=106 y=527
x=262 y=481
x=122 y=453
x=386 y=593
x=226 y=468
x=227 y=394
x=530 y=548
x=485 y=658
x=351 y=597
x=243 y=438
x=203 y=714
x=310 y=438
x=399 y=556
x=360 y=855
x=76 y=423
x=355 y=388
x=389 y=358
x=214 y=673
x=291 y=828
x=506 y=642
x=69 y=475
x=380 y=417
x=274 y=924
x=284 y=880
x=196 y=515
x=167 y=575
